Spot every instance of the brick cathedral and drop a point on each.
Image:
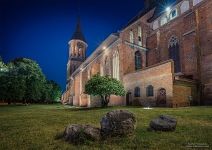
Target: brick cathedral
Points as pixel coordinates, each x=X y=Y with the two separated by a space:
x=163 y=57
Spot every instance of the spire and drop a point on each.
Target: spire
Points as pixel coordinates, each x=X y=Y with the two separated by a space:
x=78 y=35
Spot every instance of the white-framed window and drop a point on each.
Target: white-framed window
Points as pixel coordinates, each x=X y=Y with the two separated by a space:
x=131 y=37
x=116 y=65
x=139 y=36
x=173 y=14
x=163 y=20
x=184 y=7
x=195 y=2
x=155 y=25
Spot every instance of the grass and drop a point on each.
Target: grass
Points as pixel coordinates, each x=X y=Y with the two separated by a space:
x=35 y=127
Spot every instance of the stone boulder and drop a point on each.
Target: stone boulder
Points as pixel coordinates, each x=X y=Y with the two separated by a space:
x=117 y=123
x=78 y=134
x=163 y=123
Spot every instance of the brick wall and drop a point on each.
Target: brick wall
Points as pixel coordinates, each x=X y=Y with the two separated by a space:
x=159 y=76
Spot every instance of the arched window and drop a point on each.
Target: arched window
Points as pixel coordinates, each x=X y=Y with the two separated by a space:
x=131 y=37
x=150 y=91
x=137 y=92
x=174 y=53
x=173 y=14
x=116 y=65
x=138 y=60
x=107 y=66
x=139 y=36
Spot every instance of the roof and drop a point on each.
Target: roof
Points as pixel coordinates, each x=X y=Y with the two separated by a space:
x=160 y=9
x=159 y=6
x=78 y=35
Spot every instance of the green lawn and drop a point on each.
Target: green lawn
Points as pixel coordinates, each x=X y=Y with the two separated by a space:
x=35 y=127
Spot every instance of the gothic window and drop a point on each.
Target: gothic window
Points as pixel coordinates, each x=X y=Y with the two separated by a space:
x=131 y=37
x=163 y=20
x=173 y=14
x=116 y=65
x=137 y=92
x=174 y=53
x=139 y=36
x=107 y=66
x=150 y=91
x=184 y=7
x=138 y=60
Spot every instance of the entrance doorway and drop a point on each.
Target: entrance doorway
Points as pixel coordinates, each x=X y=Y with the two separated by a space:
x=129 y=99
x=161 y=97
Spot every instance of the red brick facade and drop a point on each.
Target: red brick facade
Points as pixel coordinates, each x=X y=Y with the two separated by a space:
x=175 y=58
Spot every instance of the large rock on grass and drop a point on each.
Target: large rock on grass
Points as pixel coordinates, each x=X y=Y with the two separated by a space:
x=163 y=123
x=118 y=123
x=78 y=134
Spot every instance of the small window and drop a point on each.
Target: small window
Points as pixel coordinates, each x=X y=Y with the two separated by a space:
x=137 y=92
x=150 y=91
x=173 y=14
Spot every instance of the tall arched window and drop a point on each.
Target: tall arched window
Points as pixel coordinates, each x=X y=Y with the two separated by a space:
x=131 y=37
x=138 y=60
x=139 y=36
x=174 y=53
x=137 y=92
x=150 y=91
x=116 y=65
x=107 y=66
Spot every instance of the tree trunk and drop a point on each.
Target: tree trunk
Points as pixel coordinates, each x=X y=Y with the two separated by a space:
x=105 y=100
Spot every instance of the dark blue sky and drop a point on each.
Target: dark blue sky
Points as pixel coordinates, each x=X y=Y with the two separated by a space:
x=41 y=29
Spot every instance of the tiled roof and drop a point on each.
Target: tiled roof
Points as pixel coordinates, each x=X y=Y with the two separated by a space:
x=78 y=35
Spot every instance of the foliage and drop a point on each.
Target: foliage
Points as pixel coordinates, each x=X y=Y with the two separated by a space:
x=52 y=92
x=34 y=78
x=104 y=86
x=23 y=80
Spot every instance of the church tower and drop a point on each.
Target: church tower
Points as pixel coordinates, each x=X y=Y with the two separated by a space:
x=77 y=50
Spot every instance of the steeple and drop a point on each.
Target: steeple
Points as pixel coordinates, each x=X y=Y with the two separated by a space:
x=77 y=50
x=78 y=35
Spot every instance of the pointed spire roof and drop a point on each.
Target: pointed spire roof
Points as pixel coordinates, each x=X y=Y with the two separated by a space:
x=78 y=35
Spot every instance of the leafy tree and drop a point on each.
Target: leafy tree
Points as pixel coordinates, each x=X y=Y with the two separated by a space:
x=23 y=80
x=104 y=86
x=31 y=72
x=52 y=92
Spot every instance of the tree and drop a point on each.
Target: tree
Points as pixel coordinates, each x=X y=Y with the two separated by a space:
x=52 y=92
x=104 y=86
x=33 y=76
x=23 y=80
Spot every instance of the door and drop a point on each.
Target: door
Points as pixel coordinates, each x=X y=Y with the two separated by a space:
x=128 y=98
x=161 y=97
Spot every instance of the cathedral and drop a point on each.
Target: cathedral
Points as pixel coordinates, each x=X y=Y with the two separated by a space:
x=163 y=57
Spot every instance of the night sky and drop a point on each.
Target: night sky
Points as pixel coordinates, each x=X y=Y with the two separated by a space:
x=41 y=29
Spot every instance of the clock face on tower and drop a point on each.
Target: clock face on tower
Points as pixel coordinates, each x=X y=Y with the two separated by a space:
x=80 y=45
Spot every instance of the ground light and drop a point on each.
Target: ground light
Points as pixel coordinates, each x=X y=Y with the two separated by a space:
x=147 y=108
